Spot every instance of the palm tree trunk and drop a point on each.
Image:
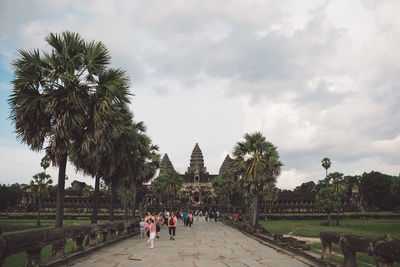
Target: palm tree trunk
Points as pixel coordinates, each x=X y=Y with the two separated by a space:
x=38 y=211
x=113 y=198
x=255 y=210
x=96 y=199
x=60 y=191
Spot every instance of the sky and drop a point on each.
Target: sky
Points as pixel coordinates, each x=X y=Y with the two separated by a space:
x=317 y=78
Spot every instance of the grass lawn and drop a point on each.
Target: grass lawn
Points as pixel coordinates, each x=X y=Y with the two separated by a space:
x=376 y=229
x=311 y=228
x=341 y=214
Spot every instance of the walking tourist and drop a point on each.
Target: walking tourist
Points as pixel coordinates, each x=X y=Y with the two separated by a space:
x=185 y=214
x=172 y=222
x=142 y=228
x=206 y=216
x=190 y=219
x=148 y=217
x=211 y=216
x=159 y=220
x=166 y=216
x=216 y=216
x=151 y=228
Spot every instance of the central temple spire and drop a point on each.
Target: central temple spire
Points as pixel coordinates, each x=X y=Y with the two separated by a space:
x=196 y=171
x=196 y=160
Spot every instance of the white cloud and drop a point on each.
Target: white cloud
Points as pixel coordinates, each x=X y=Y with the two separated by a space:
x=319 y=78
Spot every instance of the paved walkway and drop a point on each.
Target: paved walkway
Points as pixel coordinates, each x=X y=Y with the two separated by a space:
x=205 y=244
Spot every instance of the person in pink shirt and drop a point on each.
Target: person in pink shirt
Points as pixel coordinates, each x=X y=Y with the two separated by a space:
x=151 y=228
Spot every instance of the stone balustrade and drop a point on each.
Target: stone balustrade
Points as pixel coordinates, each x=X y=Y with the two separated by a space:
x=94 y=235
x=385 y=252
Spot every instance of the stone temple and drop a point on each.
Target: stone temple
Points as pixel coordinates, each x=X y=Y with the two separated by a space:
x=197 y=188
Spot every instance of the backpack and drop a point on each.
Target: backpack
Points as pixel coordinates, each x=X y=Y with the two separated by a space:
x=171 y=221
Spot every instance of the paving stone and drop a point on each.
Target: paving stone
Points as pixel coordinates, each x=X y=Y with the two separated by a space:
x=205 y=244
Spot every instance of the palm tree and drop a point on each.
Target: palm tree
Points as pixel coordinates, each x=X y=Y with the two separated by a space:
x=326 y=163
x=45 y=163
x=256 y=163
x=168 y=185
x=225 y=185
x=337 y=180
x=53 y=93
x=39 y=185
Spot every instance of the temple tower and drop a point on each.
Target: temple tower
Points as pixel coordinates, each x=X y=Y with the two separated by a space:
x=166 y=165
x=225 y=165
x=196 y=171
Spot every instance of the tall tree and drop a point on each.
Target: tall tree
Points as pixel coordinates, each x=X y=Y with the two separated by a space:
x=52 y=96
x=326 y=163
x=168 y=185
x=225 y=185
x=257 y=164
x=328 y=200
x=39 y=186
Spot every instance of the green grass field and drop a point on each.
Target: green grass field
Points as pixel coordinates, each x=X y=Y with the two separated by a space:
x=376 y=229
x=311 y=228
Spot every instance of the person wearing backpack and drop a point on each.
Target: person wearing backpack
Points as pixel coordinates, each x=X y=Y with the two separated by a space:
x=172 y=222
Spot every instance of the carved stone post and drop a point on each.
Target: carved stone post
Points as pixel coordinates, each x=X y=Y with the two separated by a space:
x=77 y=242
x=58 y=250
x=326 y=249
x=34 y=254
x=91 y=239
x=103 y=236
x=349 y=254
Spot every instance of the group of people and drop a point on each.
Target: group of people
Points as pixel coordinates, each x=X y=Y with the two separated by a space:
x=150 y=225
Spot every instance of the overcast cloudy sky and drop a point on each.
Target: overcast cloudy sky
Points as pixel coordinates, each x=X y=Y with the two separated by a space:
x=318 y=78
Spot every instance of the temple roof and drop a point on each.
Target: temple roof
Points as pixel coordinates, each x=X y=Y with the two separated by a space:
x=225 y=165
x=166 y=165
x=196 y=160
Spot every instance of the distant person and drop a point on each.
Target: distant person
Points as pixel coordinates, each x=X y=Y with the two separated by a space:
x=146 y=219
x=211 y=216
x=190 y=219
x=142 y=227
x=172 y=223
x=216 y=217
x=151 y=228
x=206 y=216
x=185 y=214
x=159 y=220
x=166 y=216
